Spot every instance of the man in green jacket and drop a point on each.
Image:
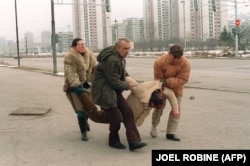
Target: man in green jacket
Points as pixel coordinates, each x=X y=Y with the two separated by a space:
x=106 y=91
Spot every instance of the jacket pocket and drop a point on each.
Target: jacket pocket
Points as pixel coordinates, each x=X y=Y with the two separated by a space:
x=109 y=97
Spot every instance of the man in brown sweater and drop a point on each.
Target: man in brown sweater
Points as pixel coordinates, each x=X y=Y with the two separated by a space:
x=173 y=69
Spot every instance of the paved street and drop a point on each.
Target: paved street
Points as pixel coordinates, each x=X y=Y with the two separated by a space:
x=217 y=118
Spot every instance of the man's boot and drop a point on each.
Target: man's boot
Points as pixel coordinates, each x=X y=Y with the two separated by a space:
x=82 y=121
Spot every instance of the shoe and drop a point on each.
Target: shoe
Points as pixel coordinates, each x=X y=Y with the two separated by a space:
x=153 y=132
x=118 y=145
x=136 y=145
x=84 y=136
x=172 y=137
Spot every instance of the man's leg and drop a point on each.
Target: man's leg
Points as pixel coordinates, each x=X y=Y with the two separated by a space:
x=98 y=116
x=133 y=136
x=114 y=117
x=173 y=123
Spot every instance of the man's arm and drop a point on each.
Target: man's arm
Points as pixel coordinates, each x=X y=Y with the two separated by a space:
x=113 y=71
x=158 y=71
x=172 y=100
x=181 y=77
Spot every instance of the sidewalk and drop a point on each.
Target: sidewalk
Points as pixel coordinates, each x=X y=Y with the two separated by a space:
x=213 y=120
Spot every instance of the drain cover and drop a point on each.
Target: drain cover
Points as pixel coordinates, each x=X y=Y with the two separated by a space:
x=31 y=111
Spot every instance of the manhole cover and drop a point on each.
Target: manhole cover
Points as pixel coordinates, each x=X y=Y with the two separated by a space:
x=31 y=111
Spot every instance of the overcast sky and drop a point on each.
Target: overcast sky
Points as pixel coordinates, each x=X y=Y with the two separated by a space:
x=35 y=15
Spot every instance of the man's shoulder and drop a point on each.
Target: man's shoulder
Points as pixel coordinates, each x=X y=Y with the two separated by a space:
x=163 y=56
x=113 y=58
x=161 y=59
x=186 y=61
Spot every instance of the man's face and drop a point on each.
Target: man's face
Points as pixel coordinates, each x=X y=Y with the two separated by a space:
x=80 y=47
x=123 y=49
x=174 y=60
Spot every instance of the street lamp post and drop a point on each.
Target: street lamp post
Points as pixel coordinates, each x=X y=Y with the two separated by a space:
x=116 y=34
x=17 y=38
x=53 y=36
x=184 y=24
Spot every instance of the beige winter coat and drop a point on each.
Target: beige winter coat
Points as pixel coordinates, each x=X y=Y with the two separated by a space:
x=139 y=97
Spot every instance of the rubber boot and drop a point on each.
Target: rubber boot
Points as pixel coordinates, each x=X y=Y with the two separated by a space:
x=83 y=127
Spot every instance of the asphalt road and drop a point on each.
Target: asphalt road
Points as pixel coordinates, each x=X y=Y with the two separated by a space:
x=217 y=117
x=221 y=73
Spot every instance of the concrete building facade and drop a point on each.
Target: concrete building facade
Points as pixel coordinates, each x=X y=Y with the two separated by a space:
x=165 y=20
x=92 y=23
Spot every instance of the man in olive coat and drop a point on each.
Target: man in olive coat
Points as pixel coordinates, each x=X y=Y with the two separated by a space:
x=106 y=91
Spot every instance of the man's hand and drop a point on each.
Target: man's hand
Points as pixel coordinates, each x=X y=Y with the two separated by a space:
x=175 y=113
x=164 y=82
x=132 y=85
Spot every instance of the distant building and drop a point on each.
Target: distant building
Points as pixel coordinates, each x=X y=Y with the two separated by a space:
x=92 y=23
x=11 y=48
x=131 y=28
x=28 y=47
x=64 y=41
x=3 y=46
x=45 y=42
x=207 y=23
x=164 y=20
x=134 y=29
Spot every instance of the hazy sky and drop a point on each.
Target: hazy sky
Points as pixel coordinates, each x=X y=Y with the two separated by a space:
x=35 y=15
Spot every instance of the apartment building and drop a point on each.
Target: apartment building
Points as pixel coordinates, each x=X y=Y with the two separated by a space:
x=208 y=19
x=178 y=19
x=64 y=41
x=45 y=41
x=92 y=23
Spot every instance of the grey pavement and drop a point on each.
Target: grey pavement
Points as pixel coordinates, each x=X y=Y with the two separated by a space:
x=217 y=118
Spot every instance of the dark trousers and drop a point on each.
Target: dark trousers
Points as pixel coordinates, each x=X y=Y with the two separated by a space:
x=115 y=116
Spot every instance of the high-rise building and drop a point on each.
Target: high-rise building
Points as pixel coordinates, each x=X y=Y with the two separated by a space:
x=92 y=23
x=28 y=43
x=131 y=28
x=162 y=20
x=134 y=29
x=177 y=19
x=3 y=46
x=45 y=41
x=118 y=30
x=208 y=18
x=64 y=41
